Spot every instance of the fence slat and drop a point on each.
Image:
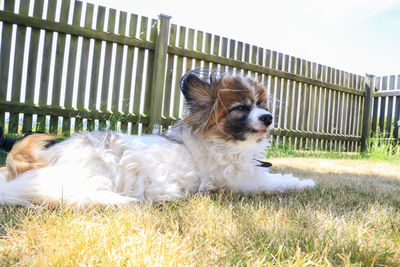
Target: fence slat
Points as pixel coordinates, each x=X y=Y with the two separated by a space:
x=215 y=52
x=105 y=92
x=94 y=82
x=337 y=108
x=383 y=106
x=18 y=67
x=149 y=74
x=350 y=114
x=367 y=123
x=32 y=65
x=253 y=59
x=299 y=102
x=139 y=68
x=45 y=70
x=290 y=103
x=232 y=52
x=273 y=88
x=158 y=78
x=306 y=102
x=19 y=54
x=5 y=49
x=71 y=66
x=246 y=57
x=58 y=66
x=115 y=98
x=359 y=108
x=190 y=46
x=318 y=99
x=267 y=79
x=285 y=101
x=339 y=121
x=389 y=112
x=397 y=113
x=224 y=52
x=344 y=116
x=6 y=37
x=323 y=107
x=207 y=49
x=375 y=106
x=239 y=51
x=84 y=59
x=293 y=98
x=313 y=102
x=83 y=69
x=329 y=106
x=128 y=93
x=170 y=71
x=179 y=72
x=94 y=91
x=260 y=60
x=199 y=47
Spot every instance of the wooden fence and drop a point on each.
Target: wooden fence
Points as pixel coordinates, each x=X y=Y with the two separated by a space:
x=69 y=66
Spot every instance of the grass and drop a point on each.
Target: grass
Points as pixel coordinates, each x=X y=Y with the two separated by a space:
x=351 y=218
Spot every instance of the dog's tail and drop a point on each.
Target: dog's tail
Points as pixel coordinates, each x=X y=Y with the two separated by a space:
x=24 y=154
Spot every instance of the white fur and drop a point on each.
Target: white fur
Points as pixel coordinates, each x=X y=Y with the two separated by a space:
x=254 y=117
x=110 y=168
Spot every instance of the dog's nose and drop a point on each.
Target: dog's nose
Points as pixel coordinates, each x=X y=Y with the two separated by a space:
x=266 y=119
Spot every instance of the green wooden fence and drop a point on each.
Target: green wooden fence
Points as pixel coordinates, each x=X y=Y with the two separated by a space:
x=68 y=66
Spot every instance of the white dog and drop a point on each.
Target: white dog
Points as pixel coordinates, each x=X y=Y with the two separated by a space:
x=214 y=147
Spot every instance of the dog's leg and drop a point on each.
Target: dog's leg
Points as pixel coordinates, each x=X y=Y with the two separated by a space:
x=108 y=198
x=264 y=181
x=284 y=182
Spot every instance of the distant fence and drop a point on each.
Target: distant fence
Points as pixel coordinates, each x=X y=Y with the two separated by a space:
x=71 y=66
x=386 y=107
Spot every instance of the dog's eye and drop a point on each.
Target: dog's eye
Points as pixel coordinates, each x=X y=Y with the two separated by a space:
x=241 y=108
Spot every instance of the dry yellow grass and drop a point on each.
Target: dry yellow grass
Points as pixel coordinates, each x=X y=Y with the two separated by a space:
x=352 y=217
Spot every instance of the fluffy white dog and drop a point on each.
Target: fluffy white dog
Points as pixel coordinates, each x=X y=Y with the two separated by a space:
x=214 y=147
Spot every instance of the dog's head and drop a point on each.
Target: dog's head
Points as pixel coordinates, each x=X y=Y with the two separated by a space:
x=230 y=107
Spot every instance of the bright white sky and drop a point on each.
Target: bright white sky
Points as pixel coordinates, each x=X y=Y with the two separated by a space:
x=360 y=36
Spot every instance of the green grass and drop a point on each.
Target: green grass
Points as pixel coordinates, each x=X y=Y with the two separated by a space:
x=3 y=157
x=352 y=218
x=379 y=149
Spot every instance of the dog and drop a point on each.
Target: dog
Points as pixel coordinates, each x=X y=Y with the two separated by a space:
x=214 y=147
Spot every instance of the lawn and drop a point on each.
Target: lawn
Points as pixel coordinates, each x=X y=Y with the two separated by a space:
x=352 y=217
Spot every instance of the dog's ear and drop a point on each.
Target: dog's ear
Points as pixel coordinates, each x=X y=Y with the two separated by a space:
x=196 y=89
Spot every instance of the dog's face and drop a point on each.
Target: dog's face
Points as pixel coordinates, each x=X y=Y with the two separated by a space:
x=231 y=107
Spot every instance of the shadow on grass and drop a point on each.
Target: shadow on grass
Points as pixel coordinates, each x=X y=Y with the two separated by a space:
x=348 y=190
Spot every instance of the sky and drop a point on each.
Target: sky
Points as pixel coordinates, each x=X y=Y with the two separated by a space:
x=359 y=36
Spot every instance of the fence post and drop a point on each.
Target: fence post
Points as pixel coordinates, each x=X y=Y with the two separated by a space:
x=366 y=123
x=158 y=79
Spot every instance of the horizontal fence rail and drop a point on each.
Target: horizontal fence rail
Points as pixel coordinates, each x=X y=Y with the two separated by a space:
x=89 y=67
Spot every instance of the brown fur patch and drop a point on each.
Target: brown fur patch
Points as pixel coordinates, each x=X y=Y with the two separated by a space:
x=24 y=155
